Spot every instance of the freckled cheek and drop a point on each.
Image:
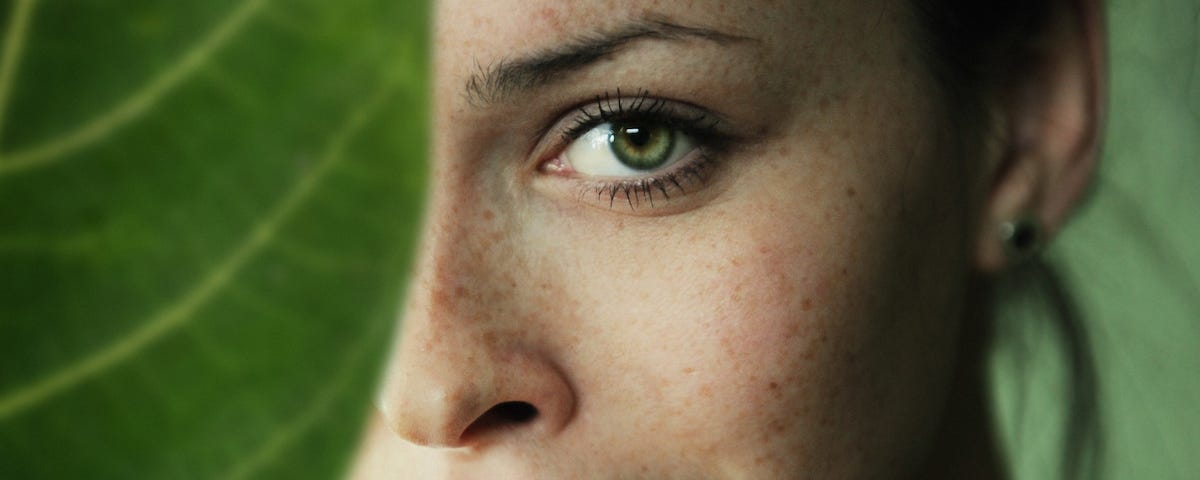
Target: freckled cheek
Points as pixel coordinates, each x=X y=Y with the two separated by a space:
x=770 y=318
x=757 y=323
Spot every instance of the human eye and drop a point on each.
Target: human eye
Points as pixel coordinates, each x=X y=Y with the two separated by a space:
x=627 y=148
x=640 y=151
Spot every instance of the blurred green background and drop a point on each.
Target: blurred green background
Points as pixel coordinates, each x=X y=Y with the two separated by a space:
x=1131 y=259
x=206 y=212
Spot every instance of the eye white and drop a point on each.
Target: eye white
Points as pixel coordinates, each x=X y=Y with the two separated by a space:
x=591 y=154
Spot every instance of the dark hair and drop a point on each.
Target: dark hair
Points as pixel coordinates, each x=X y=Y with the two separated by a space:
x=977 y=51
x=981 y=47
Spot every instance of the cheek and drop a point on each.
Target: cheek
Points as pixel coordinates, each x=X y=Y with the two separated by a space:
x=736 y=326
x=777 y=324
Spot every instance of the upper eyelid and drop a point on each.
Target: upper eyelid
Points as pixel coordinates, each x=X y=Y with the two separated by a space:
x=643 y=105
x=568 y=124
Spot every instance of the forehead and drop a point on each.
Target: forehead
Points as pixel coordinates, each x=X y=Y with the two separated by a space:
x=512 y=19
x=482 y=31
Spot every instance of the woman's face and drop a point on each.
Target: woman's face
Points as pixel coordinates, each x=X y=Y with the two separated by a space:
x=695 y=239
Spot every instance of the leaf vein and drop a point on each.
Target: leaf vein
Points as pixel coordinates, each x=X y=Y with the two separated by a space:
x=285 y=435
x=138 y=103
x=14 y=47
x=180 y=312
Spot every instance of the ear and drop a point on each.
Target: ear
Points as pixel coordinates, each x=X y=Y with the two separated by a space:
x=1053 y=112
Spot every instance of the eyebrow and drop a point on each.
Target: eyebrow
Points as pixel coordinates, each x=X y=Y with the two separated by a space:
x=508 y=77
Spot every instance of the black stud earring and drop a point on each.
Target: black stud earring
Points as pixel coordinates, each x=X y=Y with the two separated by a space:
x=1022 y=237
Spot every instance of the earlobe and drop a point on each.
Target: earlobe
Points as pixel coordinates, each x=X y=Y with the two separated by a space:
x=1053 y=107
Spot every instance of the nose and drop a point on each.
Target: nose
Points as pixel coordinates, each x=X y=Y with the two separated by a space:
x=438 y=398
x=464 y=371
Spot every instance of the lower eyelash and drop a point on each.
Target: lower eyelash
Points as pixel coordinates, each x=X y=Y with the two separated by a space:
x=637 y=190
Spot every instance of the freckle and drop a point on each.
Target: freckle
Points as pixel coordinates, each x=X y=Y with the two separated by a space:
x=764 y=249
x=706 y=391
x=792 y=330
x=806 y=305
x=850 y=191
x=737 y=262
x=773 y=386
x=460 y=292
x=689 y=371
x=729 y=350
x=489 y=338
x=440 y=300
x=488 y=215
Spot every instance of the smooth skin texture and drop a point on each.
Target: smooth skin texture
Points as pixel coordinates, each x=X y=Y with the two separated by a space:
x=807 y=305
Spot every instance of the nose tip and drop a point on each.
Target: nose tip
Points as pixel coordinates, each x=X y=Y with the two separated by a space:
x=521 y=397
x=429 y=416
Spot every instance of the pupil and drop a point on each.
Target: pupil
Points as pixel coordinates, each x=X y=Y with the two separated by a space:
x=641 y=146
x=637 y=136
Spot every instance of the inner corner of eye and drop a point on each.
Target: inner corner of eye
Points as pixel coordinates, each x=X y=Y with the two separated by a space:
x=556 y=166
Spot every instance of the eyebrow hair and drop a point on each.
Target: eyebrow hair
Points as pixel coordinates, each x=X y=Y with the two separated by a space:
x=508 y=77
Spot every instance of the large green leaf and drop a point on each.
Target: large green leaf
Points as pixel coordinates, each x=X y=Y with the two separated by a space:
x=206 y=210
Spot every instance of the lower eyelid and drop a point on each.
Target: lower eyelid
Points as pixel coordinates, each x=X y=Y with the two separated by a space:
x=674 y=184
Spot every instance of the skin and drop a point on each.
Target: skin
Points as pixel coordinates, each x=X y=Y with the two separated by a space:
x=811 y=309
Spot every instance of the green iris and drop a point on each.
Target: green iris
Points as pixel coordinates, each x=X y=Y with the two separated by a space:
x=642 y=146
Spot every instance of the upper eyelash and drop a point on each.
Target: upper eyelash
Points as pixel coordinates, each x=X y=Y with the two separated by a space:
x=641 y=106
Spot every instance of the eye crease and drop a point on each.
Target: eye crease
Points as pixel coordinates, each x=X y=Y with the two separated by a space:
x=637 y=148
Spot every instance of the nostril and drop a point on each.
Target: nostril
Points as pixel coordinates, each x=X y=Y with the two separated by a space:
x=501 y=416
x=514 y=412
